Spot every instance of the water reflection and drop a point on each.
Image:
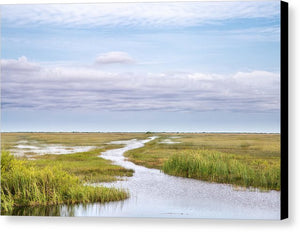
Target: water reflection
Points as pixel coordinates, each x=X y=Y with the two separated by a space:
x=89 y=209
x=53 y=210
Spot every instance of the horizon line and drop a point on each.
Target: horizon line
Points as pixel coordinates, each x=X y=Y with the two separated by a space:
x=198 y=132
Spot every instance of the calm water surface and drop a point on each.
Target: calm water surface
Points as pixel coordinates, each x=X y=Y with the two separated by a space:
x=155 y=194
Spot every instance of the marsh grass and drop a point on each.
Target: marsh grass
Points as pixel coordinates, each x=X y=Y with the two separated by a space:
x=238 y=159
x=87 y=166
x=152 y=155
x=224 y=168
x=59 y=179
x=56 y=179
x=25 y=185
x=9 y=140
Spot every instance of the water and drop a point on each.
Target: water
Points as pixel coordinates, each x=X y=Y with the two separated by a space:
x=24 y=148
x=155 y=194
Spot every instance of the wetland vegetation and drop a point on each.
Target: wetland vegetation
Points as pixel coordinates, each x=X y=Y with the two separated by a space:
x=249 y=160
x=56 y=179
x=23 y=184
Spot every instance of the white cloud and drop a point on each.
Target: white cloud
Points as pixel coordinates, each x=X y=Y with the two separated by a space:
x=114 y=58
x=89 y=88
x=22 y=64
x=137 y=14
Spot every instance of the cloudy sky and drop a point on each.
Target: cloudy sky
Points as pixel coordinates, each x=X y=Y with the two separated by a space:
x=189 y=66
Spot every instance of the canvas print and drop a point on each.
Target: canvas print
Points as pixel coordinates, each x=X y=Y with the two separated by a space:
x=165 y=110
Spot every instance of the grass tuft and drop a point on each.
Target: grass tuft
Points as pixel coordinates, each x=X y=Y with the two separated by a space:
x=224 y=168
x=26 y=185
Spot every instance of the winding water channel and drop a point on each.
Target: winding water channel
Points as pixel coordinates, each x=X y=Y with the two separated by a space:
x=155 y=194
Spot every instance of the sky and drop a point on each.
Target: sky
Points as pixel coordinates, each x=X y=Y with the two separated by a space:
x=183 y=66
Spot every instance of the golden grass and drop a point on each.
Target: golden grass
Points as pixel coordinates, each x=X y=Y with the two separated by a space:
x=8 y=140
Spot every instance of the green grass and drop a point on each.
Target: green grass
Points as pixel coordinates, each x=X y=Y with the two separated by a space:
x=87 y=166
x=238 y=159
x=25 y=185
x=56 y=179
x=224 y=168
x=152 y=155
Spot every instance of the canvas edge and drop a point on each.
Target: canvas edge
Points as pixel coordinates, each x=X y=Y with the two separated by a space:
x=284 y=203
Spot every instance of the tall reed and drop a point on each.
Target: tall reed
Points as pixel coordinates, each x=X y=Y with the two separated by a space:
x=224 y=168
x=24 y=185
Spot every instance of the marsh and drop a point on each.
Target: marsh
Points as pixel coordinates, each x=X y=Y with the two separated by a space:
x=113 y=162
